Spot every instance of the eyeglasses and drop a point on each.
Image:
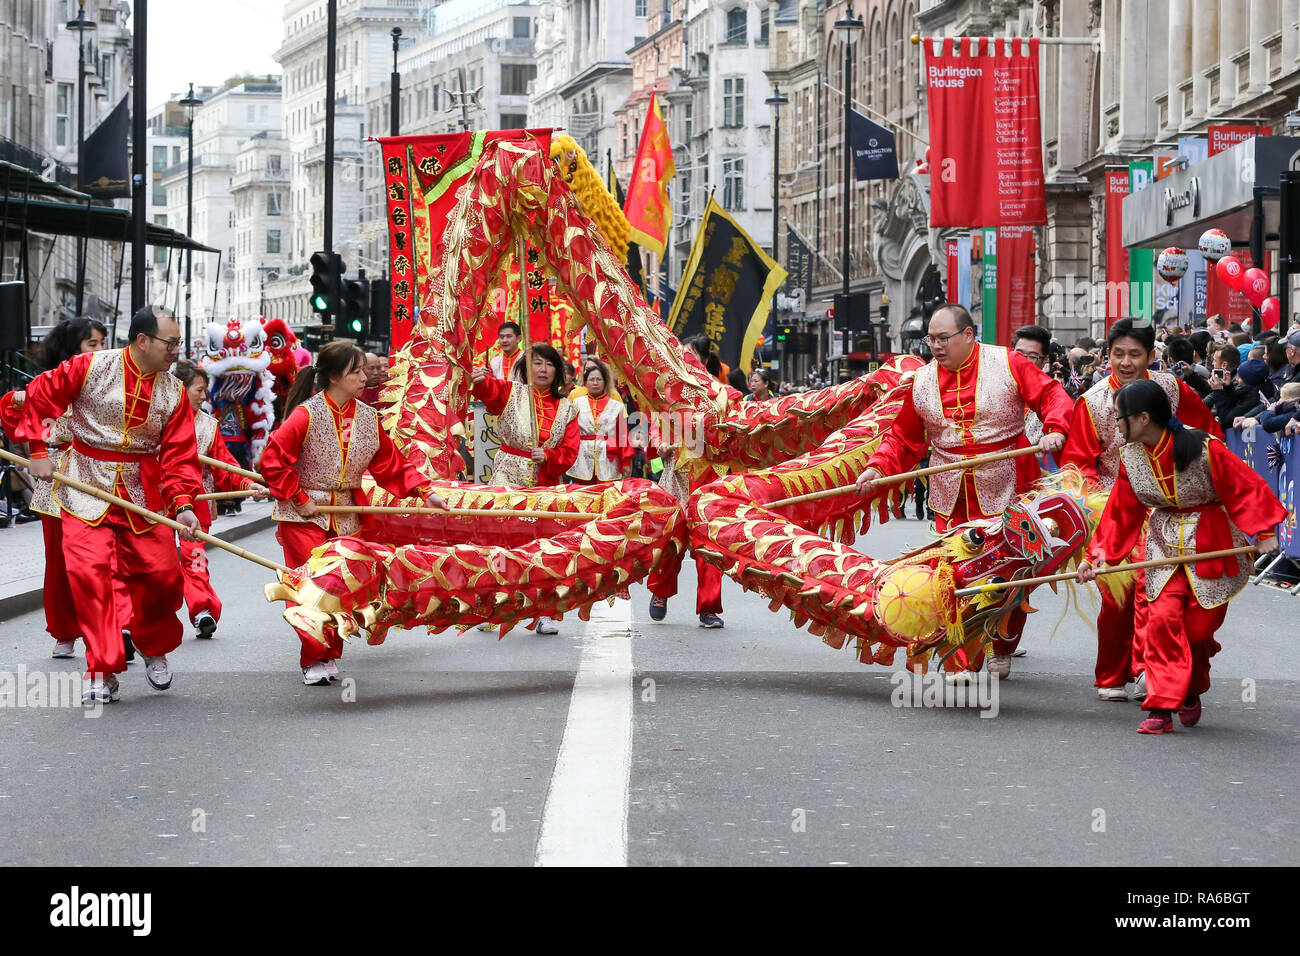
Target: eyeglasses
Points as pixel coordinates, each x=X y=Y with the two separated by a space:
x=933 y=340
x=1032 y=356
x=172 y=344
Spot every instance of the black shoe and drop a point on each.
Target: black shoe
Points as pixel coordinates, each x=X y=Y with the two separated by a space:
x=26 y=516
x=658 y=608
x=128 y=647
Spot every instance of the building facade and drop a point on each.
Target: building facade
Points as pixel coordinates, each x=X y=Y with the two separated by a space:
x=229 y=117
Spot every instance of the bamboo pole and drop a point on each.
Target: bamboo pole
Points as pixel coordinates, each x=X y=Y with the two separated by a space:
x=146 y=513
x=908 y=475
x=223 y=495
x=213 y=463
x=455 y=512
x=1071 y=576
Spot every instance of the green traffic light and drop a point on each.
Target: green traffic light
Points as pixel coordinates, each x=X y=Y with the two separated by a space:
x=319 y=303
x=356 y=325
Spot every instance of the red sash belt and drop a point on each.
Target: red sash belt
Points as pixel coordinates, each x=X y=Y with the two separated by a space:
x=100 y=454
x=980 y=448
x=511 y=450
x=1213 y=533
x=150 y=469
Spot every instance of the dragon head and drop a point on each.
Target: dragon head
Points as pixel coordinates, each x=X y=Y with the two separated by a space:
x=281 y=342
x=235 y=347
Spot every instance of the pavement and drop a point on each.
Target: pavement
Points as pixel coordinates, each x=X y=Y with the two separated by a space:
x=23 y=569
x=626 y=742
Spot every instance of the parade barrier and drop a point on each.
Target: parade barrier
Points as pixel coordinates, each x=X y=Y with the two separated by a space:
x=1276 y=459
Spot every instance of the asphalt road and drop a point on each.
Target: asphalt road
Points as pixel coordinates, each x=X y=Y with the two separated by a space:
x=651 y=744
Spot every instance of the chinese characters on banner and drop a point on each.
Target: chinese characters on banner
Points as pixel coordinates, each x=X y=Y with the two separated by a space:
x=727 y=288
x=986 y=140
x=422 y=175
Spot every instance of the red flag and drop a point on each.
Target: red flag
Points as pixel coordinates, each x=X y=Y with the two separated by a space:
x=647 y=208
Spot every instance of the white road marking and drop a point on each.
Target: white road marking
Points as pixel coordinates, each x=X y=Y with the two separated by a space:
x=585 y=819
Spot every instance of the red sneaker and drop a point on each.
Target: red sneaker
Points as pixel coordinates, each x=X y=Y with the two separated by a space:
x=1157 y=722
x=1190 y=713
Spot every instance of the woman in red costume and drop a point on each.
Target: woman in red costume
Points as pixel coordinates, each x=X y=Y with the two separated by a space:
x=602 y=424
x=200 y=599
x=538 y=427
x=1196 y=497
x=328 y=440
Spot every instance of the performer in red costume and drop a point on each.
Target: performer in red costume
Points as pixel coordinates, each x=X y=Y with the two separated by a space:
x=328 y=440
x=602 y=424
x=1196 y=497
x=1094 y=448
x=200 y=599
x=132 y=436
x=538 y=427
x=68 y=338
x=682 y=479
x=970 y=401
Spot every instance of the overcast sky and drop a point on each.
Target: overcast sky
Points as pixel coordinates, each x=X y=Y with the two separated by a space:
x=204 y=44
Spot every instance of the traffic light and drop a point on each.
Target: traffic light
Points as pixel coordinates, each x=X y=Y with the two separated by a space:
x=381 y=305
x=356 y=309
x=783 y=332
x=326 y=284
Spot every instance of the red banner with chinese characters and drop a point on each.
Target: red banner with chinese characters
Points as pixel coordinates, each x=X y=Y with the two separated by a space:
x=422 y=175
x=986 y=141
x=1015 y=281
x=1116 y=302
x=400 y=259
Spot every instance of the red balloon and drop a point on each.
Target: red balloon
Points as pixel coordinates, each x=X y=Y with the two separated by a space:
x=1270 y=311
x=1229 y=271
x=1255 y=285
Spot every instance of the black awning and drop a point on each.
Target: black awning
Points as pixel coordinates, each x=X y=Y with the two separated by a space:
x=19 y=180
x=82 y=219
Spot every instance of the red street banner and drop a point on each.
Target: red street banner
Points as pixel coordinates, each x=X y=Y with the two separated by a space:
x=1116 y=254
x=647 y=208
x=1227 y=135
x=986 y=141
x=1015 y=281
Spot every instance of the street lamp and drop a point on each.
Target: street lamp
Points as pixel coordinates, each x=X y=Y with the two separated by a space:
x=395 y=90
x=848 y=28
x=191 y=104
x=81 y=25
x=776 y=101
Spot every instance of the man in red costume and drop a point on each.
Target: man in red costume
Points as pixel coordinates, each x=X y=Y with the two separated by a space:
x=132 y=436
x=1094 y=448
x=970 y=401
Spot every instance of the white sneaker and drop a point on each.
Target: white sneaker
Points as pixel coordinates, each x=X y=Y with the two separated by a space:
x=1112 y=693
x=487 y=626
x=959 y=677
x=547 y=626
x=64 y=649
x=1000 y=664
x=205 y=625
x=317 y=675
x=101 y=690
x=1140 y=687
x=331 y=669
x=157 y=673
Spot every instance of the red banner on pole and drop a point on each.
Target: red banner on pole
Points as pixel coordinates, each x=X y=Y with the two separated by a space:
x=1227 y=135
x=1015 y=281
x=1116 y=255
x=951 y=279
x=986 y=140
